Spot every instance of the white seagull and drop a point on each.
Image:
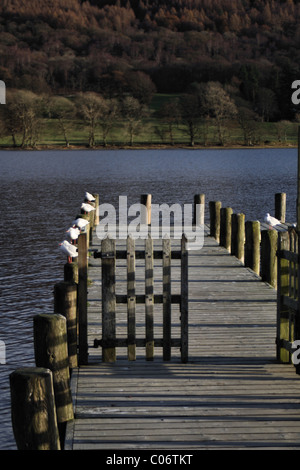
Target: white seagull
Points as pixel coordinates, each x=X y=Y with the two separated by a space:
x=89 y=197
x=80 y=223
x=69 y=249
x=87 y=207
x=271 y=220
x=73 y=233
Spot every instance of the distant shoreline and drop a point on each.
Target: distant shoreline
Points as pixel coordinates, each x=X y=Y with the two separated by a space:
x=45 y=147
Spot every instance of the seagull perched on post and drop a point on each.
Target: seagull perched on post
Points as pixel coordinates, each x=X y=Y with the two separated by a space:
x=272 y=221
x=69 y=249
x=73 y=233
x=89 y=197
x=80 y=223
x=87 y=207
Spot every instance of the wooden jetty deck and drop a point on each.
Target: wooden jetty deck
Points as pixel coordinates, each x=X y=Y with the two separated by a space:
x=231 y=394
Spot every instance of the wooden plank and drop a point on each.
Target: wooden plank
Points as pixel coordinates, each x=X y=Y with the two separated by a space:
x=131 y=299
x=108 y=298
x=149 y=298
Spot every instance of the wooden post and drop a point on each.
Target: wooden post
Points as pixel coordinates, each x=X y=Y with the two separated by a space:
x=199 y=209
x=149 y=298
x=108 y=249
x=131 y=299
x=268 y=256
x=146 y=215
x=215 y=219
x=280 y=206
x=225 y=227
x=166 y=245
x=65 y=302
x=51 y=352
x=238 y=236
x=96 y=220
x=184 y=312
x=33 y=412
x=71 y=272
x=252 y=245
x=82 y=298
x=283 y=324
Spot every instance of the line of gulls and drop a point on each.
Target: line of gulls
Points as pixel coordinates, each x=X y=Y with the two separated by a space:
x=69 y=248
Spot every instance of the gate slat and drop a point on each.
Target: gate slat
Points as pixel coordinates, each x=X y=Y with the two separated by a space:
x=108 y=249
x=166 y=299
x=131 y=299
x=184 y=300
x=149 y=298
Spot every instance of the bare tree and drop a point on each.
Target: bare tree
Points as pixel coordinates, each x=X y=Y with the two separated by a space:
x=63 y=110
x=133 y=113
x=89 y=108
x=221 y=107
x=109 y=113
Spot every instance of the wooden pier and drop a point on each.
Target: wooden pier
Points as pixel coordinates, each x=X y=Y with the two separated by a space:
x=232 y=393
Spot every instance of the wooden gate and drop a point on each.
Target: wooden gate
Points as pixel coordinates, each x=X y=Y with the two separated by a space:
x=109 y=342
x=288 y=324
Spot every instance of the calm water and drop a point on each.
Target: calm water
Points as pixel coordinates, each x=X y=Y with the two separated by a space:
x=41 y=193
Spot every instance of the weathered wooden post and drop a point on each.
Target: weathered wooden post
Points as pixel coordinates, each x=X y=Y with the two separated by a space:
x=33 y=410
x=71 y=272
x=96 y=219
x=215 y=219
x=225 y=228
x=82 y=298
x=252 y=245
x=268 y=257
x=238 y=236
x=146 y=214
x=280 y=206
x=108 y=250
x=283 y=324
x=65 y=302
x=51 y=352
x=199 y=209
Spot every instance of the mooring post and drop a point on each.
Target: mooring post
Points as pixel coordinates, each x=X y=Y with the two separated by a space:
x=252 y=245
x=82 y=298
x=283 y=323
x=71 y=272
x=225 y=227
x=51 y=352
x=96 y=220
x=65 y=303
x=215 y=219
x=268 y=256
x=199 y=209
x=238 y=236
x=33 y=412
x=146 y=214
x=280 y=206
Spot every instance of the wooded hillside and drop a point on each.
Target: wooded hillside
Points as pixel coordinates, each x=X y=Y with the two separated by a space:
x=138 y=46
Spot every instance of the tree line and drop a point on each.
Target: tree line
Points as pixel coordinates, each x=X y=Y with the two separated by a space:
x=204 y=106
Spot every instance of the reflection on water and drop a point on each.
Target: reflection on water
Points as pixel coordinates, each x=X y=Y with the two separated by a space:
x=41 y=193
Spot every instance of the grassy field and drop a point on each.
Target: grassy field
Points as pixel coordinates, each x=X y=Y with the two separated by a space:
x=153 y=132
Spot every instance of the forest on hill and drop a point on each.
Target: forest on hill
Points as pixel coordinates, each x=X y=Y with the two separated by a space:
x=137 y=48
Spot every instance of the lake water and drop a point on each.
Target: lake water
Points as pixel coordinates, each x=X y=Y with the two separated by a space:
x=41 y=193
